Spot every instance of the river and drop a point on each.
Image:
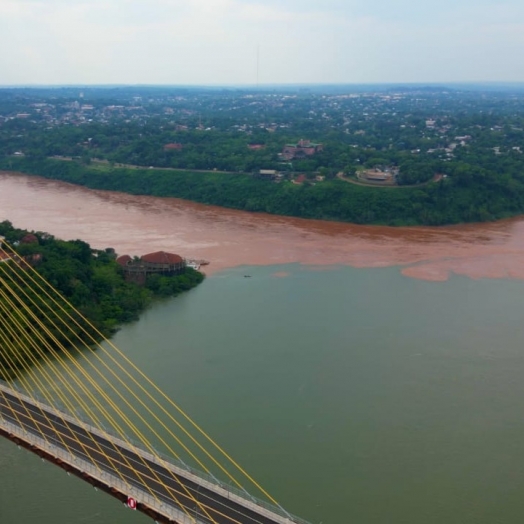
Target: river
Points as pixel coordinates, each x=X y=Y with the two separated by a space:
x=352 y=391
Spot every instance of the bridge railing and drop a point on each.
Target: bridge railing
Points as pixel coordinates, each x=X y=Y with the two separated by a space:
x=177 y=463
x=102 y=475
x=234 y=490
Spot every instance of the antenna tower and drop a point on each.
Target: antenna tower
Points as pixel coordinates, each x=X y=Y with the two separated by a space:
x=258 y=62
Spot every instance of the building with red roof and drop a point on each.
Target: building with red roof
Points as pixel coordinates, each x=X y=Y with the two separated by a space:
x=124 y=260
x=302 y=149
x=161 y=258
x=174 y=146
x=159 y=262
x=29 y=239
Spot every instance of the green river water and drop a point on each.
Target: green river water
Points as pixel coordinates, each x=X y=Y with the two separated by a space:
x=352 y=395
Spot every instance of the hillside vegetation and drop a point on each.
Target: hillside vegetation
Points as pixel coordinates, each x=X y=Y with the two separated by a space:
x=470 y=195
x=90 y=280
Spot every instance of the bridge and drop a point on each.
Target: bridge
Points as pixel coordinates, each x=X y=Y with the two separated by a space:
x=49 y=377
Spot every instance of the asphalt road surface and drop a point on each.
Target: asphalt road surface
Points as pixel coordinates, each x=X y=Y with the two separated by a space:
x=135 y=469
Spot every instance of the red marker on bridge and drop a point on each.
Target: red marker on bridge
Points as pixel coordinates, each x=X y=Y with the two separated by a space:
x=131 y=502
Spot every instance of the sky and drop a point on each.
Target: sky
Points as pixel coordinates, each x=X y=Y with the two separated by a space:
x=232 y=42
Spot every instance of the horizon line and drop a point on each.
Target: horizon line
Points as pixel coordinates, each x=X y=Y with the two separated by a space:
x=268 y=84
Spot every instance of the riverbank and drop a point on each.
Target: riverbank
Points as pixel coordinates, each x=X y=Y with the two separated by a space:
x=85 y=284
x=230 y=238
x=449 y=201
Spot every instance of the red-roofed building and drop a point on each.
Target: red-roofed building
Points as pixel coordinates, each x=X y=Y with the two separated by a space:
x=162 y=260
x=175 y=146
x=29 y=239
x=301 y=149
x=159 y=262
x=300 y=179
x=124 y=260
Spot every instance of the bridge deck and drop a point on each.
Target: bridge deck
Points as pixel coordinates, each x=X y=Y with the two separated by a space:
x=163 y=490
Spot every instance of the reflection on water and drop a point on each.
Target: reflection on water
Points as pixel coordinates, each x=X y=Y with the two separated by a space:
x=140 y=224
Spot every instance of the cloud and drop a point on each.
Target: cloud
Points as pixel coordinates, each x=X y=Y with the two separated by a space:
x=216 y=41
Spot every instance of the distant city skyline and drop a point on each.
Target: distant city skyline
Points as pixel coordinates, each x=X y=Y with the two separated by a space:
x=216 y=42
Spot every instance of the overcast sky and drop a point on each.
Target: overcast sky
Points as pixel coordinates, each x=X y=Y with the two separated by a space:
x=214 y=42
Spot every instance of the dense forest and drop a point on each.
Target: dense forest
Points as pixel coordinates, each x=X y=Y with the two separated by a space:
x=90 y=280
x=456 y=155
x=468 y=196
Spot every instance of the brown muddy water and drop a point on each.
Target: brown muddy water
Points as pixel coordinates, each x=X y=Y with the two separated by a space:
x=353 y=395
x=228 y=238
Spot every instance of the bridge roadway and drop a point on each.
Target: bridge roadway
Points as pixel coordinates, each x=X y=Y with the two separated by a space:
x=106 y=453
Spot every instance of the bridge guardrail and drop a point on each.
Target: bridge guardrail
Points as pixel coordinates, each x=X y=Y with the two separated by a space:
x=102 y=475
x=168 y=460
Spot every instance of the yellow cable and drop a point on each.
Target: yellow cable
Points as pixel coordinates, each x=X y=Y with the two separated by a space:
x=103 y=393
x=204 y=507
x=153 y=385
x=109 y=400
x=23 y=380
x=36 y=363
x=139 y=400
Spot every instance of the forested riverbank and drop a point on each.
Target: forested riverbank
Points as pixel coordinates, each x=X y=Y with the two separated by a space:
x=92 y=283
x=468 y=196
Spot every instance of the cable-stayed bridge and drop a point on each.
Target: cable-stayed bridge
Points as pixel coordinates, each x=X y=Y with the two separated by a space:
x=84 y=406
